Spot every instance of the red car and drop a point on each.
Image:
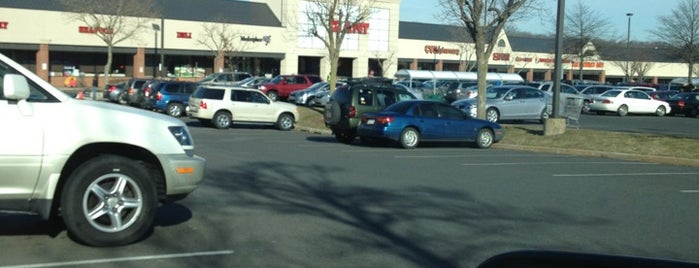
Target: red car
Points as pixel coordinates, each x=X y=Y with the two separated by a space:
x=282 y=85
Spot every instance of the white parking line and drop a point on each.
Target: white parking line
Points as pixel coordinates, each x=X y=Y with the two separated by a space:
x=555 y=163
x=689 y=191
x=126 y=259
x=472 y=156
x=626 y=174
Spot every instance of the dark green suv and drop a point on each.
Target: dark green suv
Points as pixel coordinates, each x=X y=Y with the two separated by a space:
x=347 y=104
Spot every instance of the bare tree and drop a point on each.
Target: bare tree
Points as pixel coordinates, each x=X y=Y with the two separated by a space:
x=483 y=20
x=466 y=57
x=584 y=26
x=113 y=21
x=679 y=31
x=225 y=43
x=384 y=59
x=331 y=20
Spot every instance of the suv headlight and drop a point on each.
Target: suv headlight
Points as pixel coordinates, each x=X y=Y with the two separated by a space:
x=182 y=136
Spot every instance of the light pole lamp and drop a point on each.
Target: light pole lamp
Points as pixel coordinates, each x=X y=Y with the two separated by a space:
x=628 y=42
x=156 y=28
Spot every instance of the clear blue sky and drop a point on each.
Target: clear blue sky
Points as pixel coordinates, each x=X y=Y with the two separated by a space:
x=644 y=19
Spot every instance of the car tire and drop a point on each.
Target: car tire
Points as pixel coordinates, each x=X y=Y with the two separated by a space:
x=492 y=115
x=331 y=113
x=222 y=120
x=345 y=136
x=544 y=116
x=485 y=138
x=102 y=190
x=409 y=138
x=285 y=122
x=273 y=95
x=693 y=113
x=122 y=98
x=174 y=109
x=660 y=111
x=623 y=110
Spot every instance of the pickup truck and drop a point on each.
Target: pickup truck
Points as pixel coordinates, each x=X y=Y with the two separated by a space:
x=102 y=168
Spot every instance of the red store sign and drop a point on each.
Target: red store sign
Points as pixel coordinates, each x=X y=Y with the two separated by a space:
x=501 y=56
x=3 y=25
x=93 y=30
x=185 y=35
x=359 y=28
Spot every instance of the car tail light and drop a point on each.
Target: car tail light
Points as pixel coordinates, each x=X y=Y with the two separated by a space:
x=680 y=103
x=352 y=112
x=131 y=91
x=159 y=96
x=384 y=120
x=202 y=105
x=606 y=101
x=111 y=88
x=146 y=91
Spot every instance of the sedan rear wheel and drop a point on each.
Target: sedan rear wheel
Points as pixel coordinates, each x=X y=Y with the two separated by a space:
x=623 y=110
x=492 y=115
x=409 y=138
x=660 y=111
x=485 y=138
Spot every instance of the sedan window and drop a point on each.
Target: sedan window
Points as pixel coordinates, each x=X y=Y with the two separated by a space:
x=449 y=112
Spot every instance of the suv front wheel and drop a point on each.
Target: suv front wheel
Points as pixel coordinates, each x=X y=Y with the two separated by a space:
x=108 y=201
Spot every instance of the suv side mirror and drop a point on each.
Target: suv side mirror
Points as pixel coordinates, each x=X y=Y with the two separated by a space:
x=15 y=87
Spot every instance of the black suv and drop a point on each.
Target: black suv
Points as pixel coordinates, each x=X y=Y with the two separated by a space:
x=347 y=104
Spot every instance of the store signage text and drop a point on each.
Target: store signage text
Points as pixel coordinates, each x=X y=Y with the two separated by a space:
x=358 y=28
x=440 y=50
x=93 y=30
x=254 y=39
x=589 y=64
x=185 y=35
x=3 y=25
x=501 y=56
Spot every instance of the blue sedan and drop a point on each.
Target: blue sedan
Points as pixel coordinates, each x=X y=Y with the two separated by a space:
x=410 y=122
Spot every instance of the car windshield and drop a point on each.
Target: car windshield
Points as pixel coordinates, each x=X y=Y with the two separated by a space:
x=317 y=86
x=680 y=97
x=209 y=77
x=496 y=92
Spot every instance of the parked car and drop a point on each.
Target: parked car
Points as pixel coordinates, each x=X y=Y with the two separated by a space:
x=112 y=92
x=685 y=103
x=510 y=102
x=282 y=85
x=590 y=92
x=224 y=106
x=625 y=101
x=417 y=92
x=171 y=97
x=413 y=121
x=457 y=90
x=663 y=95
x=251 y=82
x=307 y=96
x=348 y=103
x=133 y=85
x=138 y=98
x=61 y=159
x=224 y=78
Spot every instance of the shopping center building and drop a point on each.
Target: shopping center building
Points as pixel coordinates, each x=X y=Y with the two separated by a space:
x=272 y=37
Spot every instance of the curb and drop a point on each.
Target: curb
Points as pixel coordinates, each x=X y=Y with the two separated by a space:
x=602 y=154
x=564 y=151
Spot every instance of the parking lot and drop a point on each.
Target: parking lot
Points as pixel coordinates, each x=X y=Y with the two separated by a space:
x=294 y=199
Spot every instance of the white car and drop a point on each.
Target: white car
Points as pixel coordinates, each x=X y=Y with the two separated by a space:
x=224 y=106
x=59 y=157
x=625 y=101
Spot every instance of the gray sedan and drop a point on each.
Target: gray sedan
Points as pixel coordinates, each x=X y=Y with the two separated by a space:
x=511 y=102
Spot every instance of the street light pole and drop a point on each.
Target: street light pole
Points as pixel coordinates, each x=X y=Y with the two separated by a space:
x=156 y=28
x=628 y=52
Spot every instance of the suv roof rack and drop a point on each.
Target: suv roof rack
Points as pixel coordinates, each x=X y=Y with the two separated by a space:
x=370 y=81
